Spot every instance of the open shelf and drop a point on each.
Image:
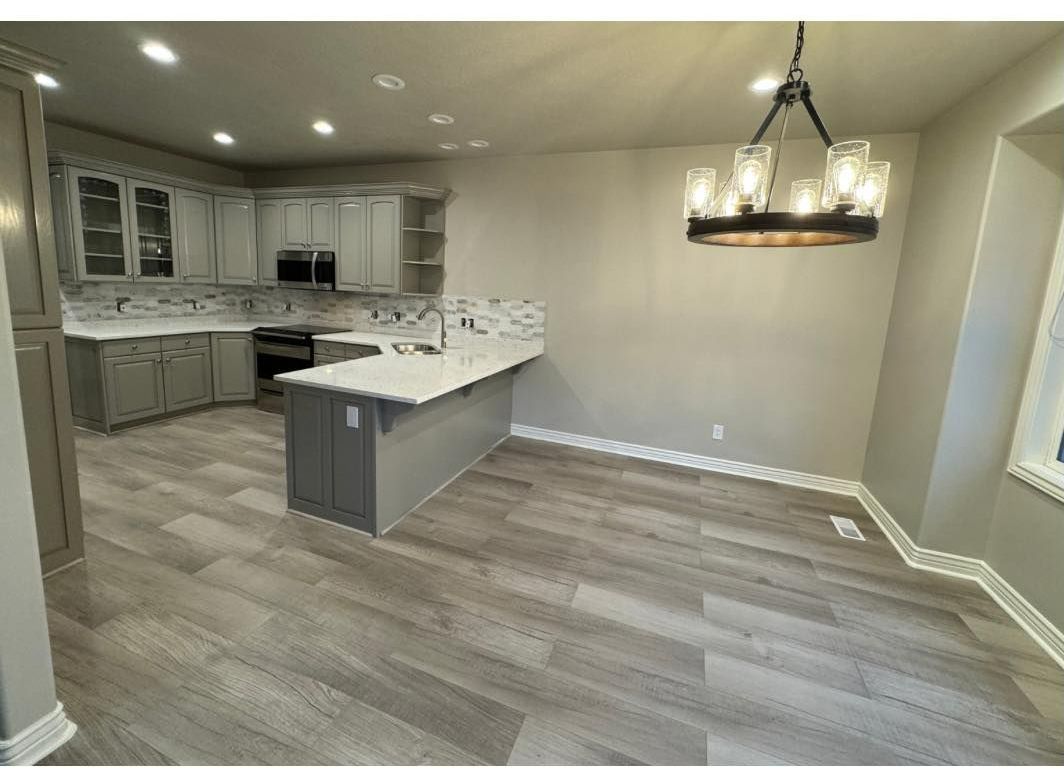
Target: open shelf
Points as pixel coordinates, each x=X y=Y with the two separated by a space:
x=422 y=249
x=426 y=231
x=422 y=262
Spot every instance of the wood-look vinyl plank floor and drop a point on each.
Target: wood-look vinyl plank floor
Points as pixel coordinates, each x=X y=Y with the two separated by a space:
x=552 y=605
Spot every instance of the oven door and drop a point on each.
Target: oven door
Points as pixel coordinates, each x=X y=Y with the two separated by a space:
x=306 y=270
x=273 y=357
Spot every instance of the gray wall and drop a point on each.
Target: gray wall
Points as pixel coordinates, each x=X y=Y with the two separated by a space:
x=971 y=280
x=60 y=137
x=652 y=340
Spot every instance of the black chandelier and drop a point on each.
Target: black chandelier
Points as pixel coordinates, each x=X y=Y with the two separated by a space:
x=841 y=208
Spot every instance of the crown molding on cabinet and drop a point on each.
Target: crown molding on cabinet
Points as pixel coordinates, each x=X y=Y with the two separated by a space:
x=141 y=173
x=27 y=60
x=413 y=189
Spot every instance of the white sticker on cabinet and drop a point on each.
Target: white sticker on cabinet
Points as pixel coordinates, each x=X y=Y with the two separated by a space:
x=352 y=416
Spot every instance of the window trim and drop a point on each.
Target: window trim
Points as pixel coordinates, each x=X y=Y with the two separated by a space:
x=1033 y=455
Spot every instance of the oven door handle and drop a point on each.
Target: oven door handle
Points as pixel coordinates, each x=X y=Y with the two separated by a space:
x=314 y=270
x=281 y=350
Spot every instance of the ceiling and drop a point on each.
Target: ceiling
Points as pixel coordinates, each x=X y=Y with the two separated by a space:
x=527 y=87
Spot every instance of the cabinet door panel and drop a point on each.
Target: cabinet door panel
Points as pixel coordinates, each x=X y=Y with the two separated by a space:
x=351 y=243
x=187 y=378
x=383 y=241
x=64 y=237
x=271 y=240
x=25 y=206
x=195 y=236
x=294 y=223
x=321 y=216
x=234 y=228
x=233 y=356
x=134 y=386
x=151 y=230
x=100 y=220
x=45 y=397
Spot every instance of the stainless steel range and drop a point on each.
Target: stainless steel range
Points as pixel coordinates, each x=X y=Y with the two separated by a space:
x=282 y=350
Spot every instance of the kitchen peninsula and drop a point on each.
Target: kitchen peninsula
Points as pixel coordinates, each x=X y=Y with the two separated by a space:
x=368 y=440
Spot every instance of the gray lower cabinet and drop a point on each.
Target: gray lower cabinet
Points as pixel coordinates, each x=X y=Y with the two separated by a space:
x=233 y=359
x=134 y=387
x=187 y=378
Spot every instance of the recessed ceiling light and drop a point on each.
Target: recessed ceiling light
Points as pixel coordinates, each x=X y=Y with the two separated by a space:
x=223 y=139
x=158 y=52
x=478 y=143
x=448 y=146
x=441 y=118
x=762 y=85
x=46 y=80
x=323 y=127
x=389 y=82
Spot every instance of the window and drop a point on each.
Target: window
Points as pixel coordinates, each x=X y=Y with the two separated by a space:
x=1038 y=446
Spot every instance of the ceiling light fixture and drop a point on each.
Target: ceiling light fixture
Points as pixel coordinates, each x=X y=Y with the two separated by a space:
x=478 y=143
x=323 y=127
x=223 y=139
x=158 y=52
x=389 y=82
x=762 y=85
x=43 y=79
x=441 y=118
x=851 y=195
x=448 y=146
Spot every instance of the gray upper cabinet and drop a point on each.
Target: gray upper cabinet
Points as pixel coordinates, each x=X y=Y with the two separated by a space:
x=134 y=386
x=187 y=378
x=152 y=235
x=294 y=231
x=25 y=206
x=321 y=218
x=99 y=220
x=194 y=231
x=351 y=243
x=233 y=366
x=64 y=239
x=268 y=220
x=383 y=219
x=234 y=228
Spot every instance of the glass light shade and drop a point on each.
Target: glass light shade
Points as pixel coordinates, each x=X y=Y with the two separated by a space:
x=750 y=176
x=727 y=202
x=805 y=196
x=698 y=196
x=846 y=163
x=872 y=188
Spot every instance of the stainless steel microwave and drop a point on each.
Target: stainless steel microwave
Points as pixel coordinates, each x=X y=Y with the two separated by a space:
x=306 y=270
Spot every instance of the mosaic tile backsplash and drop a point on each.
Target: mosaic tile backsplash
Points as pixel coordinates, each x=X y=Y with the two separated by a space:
x=493 y=317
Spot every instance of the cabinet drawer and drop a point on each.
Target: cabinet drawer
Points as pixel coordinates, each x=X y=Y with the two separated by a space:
x=325 y=359
x=128 y=347
x=357 y=350
x=179 y=342
x=328 y=348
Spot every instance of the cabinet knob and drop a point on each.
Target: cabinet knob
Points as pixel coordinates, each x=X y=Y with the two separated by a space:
x=168 y=360
x=186 y=341
x=134 y=347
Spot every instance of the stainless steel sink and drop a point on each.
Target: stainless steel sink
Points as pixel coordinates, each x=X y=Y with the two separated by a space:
x=416 y=349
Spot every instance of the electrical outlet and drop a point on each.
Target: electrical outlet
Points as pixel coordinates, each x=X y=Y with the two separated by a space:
x=718 y=431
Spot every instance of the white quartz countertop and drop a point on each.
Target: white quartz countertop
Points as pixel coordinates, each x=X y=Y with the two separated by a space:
x=412 y=379
x=151 y=328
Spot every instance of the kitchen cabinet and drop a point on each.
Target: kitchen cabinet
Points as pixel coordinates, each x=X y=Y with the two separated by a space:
x=134 y=387
x=235 y=244
x=271 y=239
x=194 y=213
x=151 y=220
x=325 y=359
x=233 y=356
x=99 y=218
x=307 y=223
x=187 y=378
x=367 y=244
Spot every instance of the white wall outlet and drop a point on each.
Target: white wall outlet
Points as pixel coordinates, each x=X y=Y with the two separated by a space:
x=718 y=431
x=352 y=416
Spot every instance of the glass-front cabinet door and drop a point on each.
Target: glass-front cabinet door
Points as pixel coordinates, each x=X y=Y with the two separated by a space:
x=152 y=230
x=99 y=217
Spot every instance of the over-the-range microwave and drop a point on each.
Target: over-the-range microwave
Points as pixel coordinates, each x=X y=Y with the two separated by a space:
x=310 y=270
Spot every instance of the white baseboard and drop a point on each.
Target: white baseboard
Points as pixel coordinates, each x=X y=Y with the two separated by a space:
x=1034 y=623
x=784 y=476
x=1044 y=633
x=38 y=739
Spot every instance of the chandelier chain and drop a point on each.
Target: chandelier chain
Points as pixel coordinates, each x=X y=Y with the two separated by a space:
x=796 y=73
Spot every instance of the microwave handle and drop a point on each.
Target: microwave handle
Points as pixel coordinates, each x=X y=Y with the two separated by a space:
x=314 y=269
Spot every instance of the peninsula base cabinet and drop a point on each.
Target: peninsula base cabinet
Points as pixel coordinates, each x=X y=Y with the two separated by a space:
x=115 y=384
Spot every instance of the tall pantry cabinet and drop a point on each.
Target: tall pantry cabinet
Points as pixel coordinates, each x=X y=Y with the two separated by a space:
x=26 y=231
